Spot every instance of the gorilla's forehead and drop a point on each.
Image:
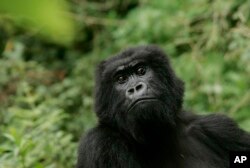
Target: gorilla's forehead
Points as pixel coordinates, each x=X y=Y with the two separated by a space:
x=124 y=59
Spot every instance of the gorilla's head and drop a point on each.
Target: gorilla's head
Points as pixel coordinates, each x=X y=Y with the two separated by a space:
x=137 y=90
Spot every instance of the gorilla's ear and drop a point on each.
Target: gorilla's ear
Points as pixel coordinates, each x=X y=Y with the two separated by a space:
x=99 y=69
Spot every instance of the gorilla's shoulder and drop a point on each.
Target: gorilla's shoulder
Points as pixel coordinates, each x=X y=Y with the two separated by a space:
x=217 y=124
x=220 y=129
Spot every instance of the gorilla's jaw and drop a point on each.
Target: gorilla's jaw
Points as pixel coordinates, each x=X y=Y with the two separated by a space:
x=149 y=121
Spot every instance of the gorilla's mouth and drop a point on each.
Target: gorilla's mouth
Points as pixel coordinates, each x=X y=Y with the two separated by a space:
x=137 y=101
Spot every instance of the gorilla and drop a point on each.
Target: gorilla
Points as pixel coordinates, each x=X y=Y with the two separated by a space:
x=141 y=122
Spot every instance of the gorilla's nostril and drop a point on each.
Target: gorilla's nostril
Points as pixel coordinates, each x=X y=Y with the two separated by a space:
x=131 y=90
x=138 y=87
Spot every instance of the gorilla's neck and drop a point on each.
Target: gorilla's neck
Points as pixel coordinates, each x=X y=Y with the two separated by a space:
x=152 y=124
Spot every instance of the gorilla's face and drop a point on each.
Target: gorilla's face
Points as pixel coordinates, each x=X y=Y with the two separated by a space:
x=136 y=88
x=134 y=82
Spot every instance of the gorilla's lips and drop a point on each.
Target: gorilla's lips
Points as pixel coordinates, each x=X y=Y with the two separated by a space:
x=137 y=101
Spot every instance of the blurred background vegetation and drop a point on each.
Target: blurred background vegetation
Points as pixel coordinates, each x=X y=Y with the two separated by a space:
x=49 y=48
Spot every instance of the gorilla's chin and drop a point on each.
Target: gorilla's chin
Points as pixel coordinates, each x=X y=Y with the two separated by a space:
x=146 y=120
x=151 y=110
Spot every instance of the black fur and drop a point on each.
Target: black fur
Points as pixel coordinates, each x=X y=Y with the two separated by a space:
x=155 y=133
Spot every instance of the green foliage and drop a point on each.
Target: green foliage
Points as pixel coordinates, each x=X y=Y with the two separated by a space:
x=46 y=90
x=49 y=18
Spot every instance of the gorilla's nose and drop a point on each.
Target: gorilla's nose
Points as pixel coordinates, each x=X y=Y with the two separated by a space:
x=136 y=91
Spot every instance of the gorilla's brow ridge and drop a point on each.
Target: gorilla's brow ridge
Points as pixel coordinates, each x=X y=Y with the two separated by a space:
x=123 y=65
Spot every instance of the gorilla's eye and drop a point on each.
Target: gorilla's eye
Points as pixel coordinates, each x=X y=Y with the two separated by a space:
x=141 y=70
x=121 y=78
